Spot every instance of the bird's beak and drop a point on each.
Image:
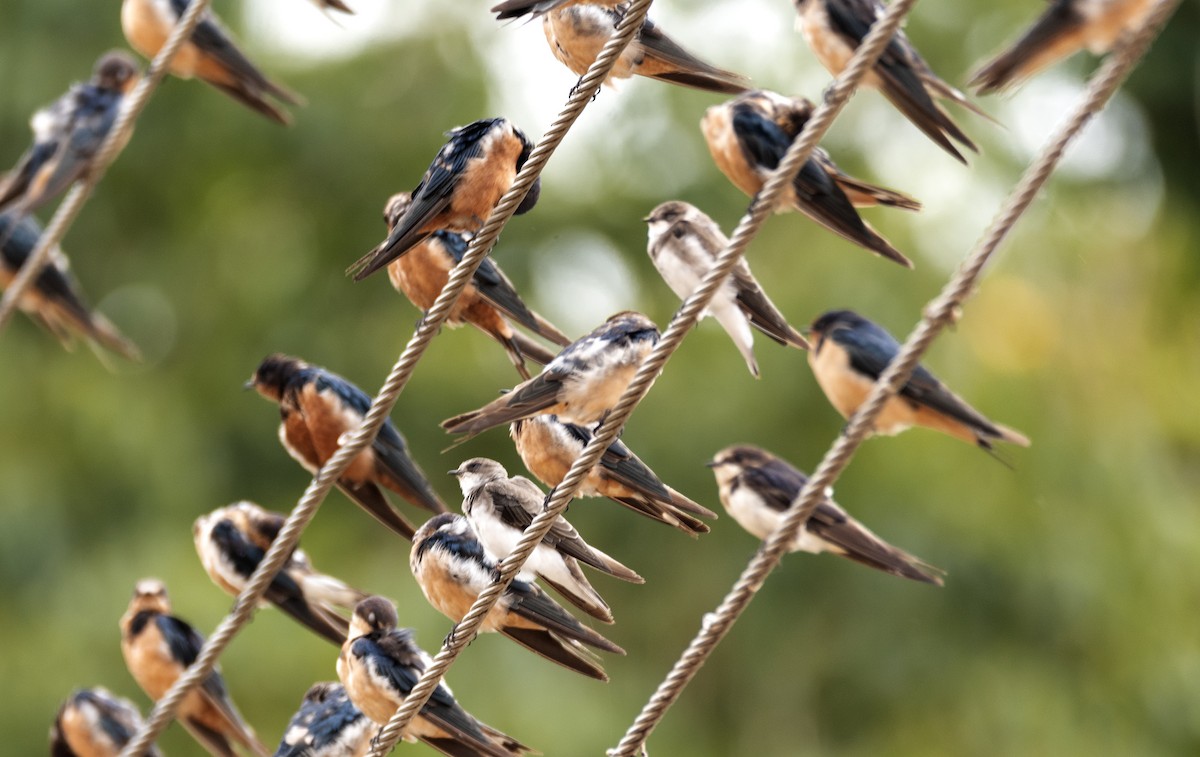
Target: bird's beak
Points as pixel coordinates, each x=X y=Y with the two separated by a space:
x=249 y=384
x=647 y=219
x=455 y=472
x=711 y=464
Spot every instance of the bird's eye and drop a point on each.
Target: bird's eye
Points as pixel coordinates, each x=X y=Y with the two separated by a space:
x=678 y=233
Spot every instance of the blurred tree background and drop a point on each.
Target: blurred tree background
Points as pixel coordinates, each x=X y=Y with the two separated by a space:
x=1068 y=624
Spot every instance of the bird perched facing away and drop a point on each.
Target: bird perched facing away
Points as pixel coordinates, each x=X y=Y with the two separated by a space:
x=548 y=447
x=317 y=408
x=578 y=32
x=683 y=242
x=327 y=725
x=453 y=568
x=95 y=723
x=158 y=647
x=757 y=488
x=748 y=137
x=835 y=28
x=67 y=134
x=468 y=176
x=490 y=302
x=233 y=540
x=54 y=299
x=209 y=54
x=502 y=508
x=580 y=385
x=380 y=664
x=850 y=353
x=1063 y=29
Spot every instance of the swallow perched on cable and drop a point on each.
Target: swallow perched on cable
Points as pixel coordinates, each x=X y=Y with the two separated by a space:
x=158 y=647
x=468 y=176
x=578 y=32
x=319 y=407
x=233 y=540
x=850 y=353
x=380 y=664
x=1064 y=28
x=327 y=725
x=95 y=723
x=548 y=447
x=684 y=243
x=55 y=299
x=67 y=134
x=757 y=488
x=453 y=568
x=835 y=28
x=580 y=385
x=490 y=302
x=209 y=53
x=748 y=137
x=501 y=508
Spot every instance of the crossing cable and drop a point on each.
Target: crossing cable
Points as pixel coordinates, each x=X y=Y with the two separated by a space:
x=110 y=148
x=381 y=407
x=681 y=324
x=936 y=316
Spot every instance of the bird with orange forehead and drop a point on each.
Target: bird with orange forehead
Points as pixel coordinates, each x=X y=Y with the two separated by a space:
x=748 y=137
x=95 y=723
x=849 y=355
x=490 y=302
x=578 y=32
x=54 y=299
x=158 y=647
x=317 y=408
x=1063 y=29
x=379 y=666
x=67 y=134
x=468 y=176
x=209 y=54
x=835 y=28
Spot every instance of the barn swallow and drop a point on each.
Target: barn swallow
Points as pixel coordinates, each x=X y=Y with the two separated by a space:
x=95 y=723
x=209 y=53
x=577 y=33
x=453 y=568
x=380 y=664
x=850 y=353
x=580 y=385
x=534 y=8
x=54 y=299
x=490 y=302
x=501 y=508
x=684 y=243
x=327 y=725
x=749 y=136
x=158 y=647
x=319 y=407
x=757 y=488
x=1064 y=28
x=67 y=135
x=548 y=447
x=835 y=28
x=460 y=188
x=233 y=540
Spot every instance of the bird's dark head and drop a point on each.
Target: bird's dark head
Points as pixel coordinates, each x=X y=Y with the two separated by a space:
x=273 y=374
x=832 y=320
x=115 y=71
x=739 y=456
x=373 y=615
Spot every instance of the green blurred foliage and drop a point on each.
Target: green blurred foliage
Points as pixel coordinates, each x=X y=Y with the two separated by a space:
x=1068 y=622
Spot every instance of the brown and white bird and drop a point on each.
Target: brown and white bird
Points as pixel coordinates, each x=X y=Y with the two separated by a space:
x=757 y=488
x=683 y=242
x=158 y=648
x=490 y=302
x=1063 y=29
x=835 y=28
x=502 y=508
x=578 y=32
x=95 y=723
x=231 y=542
x=379 y=666
x=549 y=447
x=849 y=355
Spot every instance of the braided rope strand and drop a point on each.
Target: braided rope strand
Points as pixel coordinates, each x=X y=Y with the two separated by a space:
x=717 y=624
x=110 y=148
